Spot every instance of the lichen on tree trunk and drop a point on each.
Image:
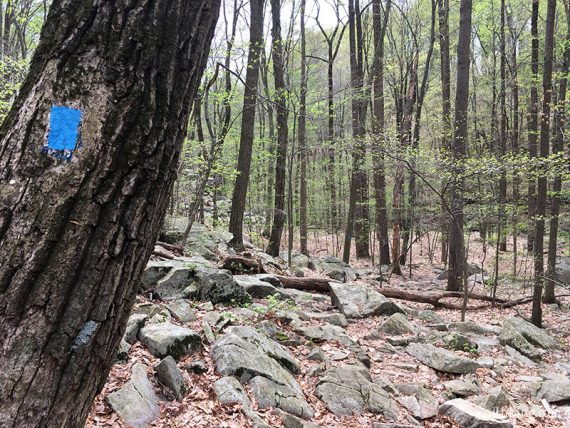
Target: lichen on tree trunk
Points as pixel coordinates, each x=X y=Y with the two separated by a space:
x=76 y=234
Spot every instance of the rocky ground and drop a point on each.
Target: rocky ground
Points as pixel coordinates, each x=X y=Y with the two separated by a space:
x=205 y=348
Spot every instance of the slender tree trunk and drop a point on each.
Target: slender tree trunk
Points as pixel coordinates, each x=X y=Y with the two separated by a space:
x=357 y=219
x=77 y=226
x=533 y=121
x=378 y=128
x=302 y=131
x=443 y=10
x=503 y=128
x=282 y=131
x=456 y=242
x=542 y=183
x=558 y=148
x=247 y=123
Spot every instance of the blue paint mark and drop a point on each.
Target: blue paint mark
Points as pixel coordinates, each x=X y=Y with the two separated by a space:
x=63 y=136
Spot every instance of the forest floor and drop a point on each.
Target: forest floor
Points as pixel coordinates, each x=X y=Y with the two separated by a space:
x=389 y=363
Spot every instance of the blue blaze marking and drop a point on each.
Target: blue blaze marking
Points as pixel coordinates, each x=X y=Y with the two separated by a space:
x=63 y=133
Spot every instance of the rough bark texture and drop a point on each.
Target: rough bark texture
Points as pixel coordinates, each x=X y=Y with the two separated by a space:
x=459 y=149
x=302 y=135
x=533 y=119
x=278 y=53
x=542 y=183
x=558 y=147
x=247 y=122
x=75 y=235
x=378 y=129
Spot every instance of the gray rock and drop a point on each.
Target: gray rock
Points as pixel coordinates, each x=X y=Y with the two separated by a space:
x=441 y=359
x=459 y=342
x=245 y=353
x=197 y=367
x=418 y=401
x=429 y=316
x=331 y=318
x=136 y=402
x=148 y=309
x=229 y=391
x=530 y=332
x=123 y=351
x=472 y=327
x=135 y=322
x=397 y=340
x=153 y=272
x=495 y=400
x=462 y=388
x=332 y=332
x=347 y=390
x=257 y=288
x=291 y=421
x=563 y=269
x=170 y=376
x=358 y=301
x=469 y=415
x=162 y=316
x=397 y=324
x=169 y=339
x=172 y=285
x=316 y=354
x=298 y=259
x=270 y=394
x=216 y=286
x=554 y=391
x=512 y=337
x=182 y=310
x=517 y=356
x=271 y=279
x=335 y=269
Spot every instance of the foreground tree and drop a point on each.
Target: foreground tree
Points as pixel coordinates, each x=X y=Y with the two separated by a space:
x=247 y=122
x=89 y=153
x=459 y=149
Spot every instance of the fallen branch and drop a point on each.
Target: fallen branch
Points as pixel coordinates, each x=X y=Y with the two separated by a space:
x=306 y=284
x=238 y=265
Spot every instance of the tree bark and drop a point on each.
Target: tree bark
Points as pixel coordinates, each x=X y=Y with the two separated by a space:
x=282 y=130
x=378 y=129
x=456 y=242
x=302 y=136
x=533 y=120
x=247 y=123
x=77 y=227
x=558 y=148
x=542 y=183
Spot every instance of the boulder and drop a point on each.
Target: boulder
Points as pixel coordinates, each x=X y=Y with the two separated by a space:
x=397 y=324
x=182 y=310
x=419 y=401
x=256 y=287
x=495 y=400
x=136 y=402
x=348 y=390
x=123 y=351
x=469 y=415
x=462 y=388
x=216 y=286
x=563 y=269
x=358 y=301
x=270 y=394
x=334 y=268
x=291 y=421
x=331 y=318
x=170 y=376
x=459 y=342
x=554 y=391
x=168 y=339
x=441 y=359
x=134 y=323
x=172 y=285
x=513 y=338
x=530 y=332
x=472 y=327
x=316 y=354
x=197 y=367
x=229 y=391
x=154 y=271
x=245 y=353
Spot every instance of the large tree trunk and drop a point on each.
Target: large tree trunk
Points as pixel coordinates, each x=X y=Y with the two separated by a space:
x=456 y=242
x=302 y=135
x=443 y=12
x=378 y=129
x=247 y=123
x=542 y=183
x=558 y=148
x=533 y=120
x=77 y=226
x=282 y=130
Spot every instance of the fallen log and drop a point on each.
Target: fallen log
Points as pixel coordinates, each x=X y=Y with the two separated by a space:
x=306 y=284
x=171 y=247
